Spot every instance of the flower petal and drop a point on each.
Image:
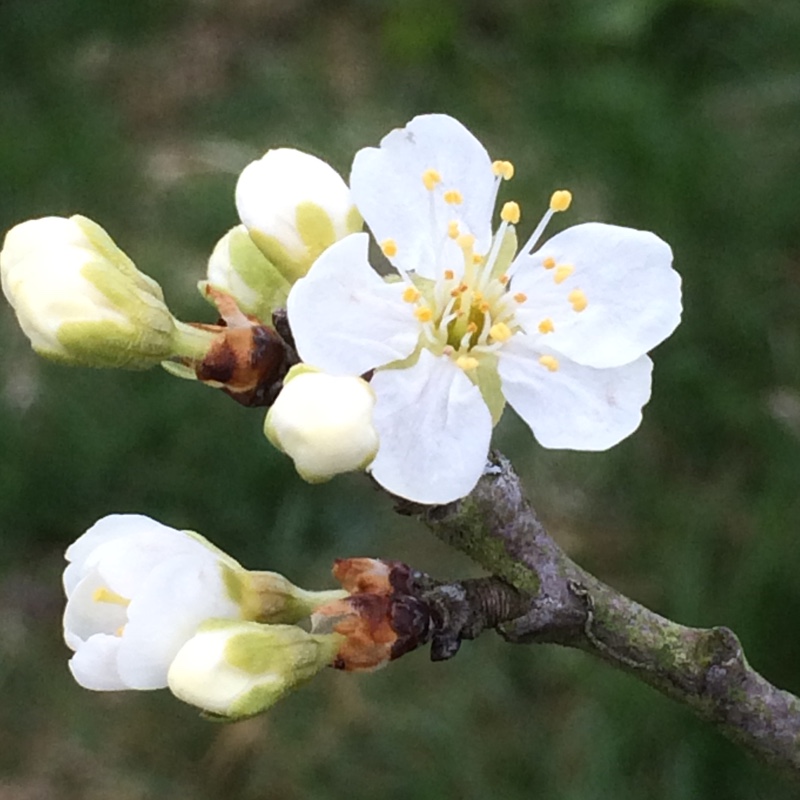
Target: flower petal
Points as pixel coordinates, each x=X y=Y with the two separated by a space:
x=177 y=596
x=386 y=183
x=633 y=296
x=94 y=666
x=575 y=407
x=87 y=613
x=434 y=431
x=345 y=318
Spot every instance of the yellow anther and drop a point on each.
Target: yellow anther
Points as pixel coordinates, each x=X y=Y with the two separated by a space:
x=503 y=169
x=462 y=288
x=549 y=362
x=449 y=274
x=510 y=212
x=466 y=241
x=453 y=197
x=484 y=307
x=467 y=362
x=560 y=200
x=563 y=272
x=389 y=247
x=452 y=229
x=472 y=328
x=546 y=326
x=423 y=314
x=520 y=297
x=549 y=263
x=430 y=178
x=504 y=279
x=105 y=595
x=119 y=631
x=578 y=300
x=500 y=332
x=477 y=258
x=411 y=294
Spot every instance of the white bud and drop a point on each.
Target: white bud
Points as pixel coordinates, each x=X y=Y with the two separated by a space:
x=80 y=299
x=324 y=423
x=238 y=669
x=294 y=206
x=238 y=268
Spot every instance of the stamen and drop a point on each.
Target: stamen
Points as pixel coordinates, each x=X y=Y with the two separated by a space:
x=430 y=178
x=477 y=297
x=560 y=200
x=504 y=279
x=467 y=362
x=423 y=314
x=466 y=241
x=452 y=229
x=546 y=326
x=563 y=272
x=472 y=328
x=105 y=595
x=411 y=294
x=520 y=297
x=510 y=212
x=449 y=274
x=503 y=169
x=484 y=307
x=500 y=332
x=578 y=300
x=549 y=362
x=477 y=258
x=453 y=197
x=389 y=247
x=549 y=263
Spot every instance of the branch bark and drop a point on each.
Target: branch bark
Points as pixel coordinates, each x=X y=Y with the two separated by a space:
x=705 y=669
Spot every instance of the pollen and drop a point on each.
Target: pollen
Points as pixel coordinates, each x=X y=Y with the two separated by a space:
x=503 y=169
x=449 y=274
x=452 y=229
x=546 y=326
x=472 y=328
x=504 y=279
x=549 y=362
x=520 y=297
x=477 y=258
x=560 y=200
x=423 y=314
x=104 y=595
x=453 y=197
x=467 y=362
x=578 y=300
x=563 y=272
x=411 y=294
x=389 y=247
x=549 y=263
x=500 y=332
x=430 y=178
x=510 y=212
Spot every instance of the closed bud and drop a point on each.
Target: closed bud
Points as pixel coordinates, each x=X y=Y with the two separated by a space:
x=294 y=206
x=81 y=300
x=324 y=423
x=238 y=268
x=237 y=669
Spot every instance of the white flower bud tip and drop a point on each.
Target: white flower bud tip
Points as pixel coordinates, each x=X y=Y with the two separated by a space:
x=324 y=423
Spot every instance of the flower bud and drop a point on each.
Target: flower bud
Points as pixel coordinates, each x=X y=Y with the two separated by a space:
x=238 y=268
x=80 y=299
x=324 y=423
x=294 y=206
x=238 y=669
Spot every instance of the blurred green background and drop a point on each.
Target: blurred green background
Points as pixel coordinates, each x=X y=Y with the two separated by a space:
x=680 y=116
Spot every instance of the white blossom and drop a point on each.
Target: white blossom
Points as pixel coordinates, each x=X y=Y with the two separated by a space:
x=560 y=331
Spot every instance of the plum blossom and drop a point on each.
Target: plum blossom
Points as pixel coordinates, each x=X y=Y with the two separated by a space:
x=469 y=321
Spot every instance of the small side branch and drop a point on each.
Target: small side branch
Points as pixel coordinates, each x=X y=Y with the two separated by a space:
x=561 y=603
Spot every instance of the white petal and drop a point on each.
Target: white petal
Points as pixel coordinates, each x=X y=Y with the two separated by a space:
x=177 y=596
x=434 y=431
x=345 y=318
x=575 y=407
x=94 y=666
x=633 y=294
x=386 y=183
x=114 y=526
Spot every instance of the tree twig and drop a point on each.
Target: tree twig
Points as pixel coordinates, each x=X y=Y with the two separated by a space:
x=704 y=669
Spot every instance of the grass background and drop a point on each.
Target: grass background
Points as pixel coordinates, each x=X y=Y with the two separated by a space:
x=680 y=116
